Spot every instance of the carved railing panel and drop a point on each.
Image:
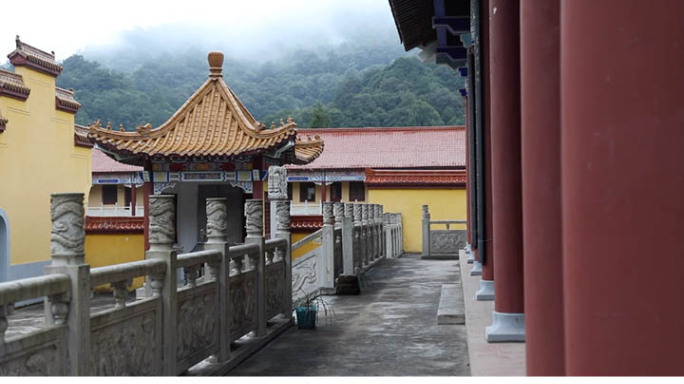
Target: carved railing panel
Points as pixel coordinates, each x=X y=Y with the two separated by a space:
x=305 y=275
x=127 y=341
x=40 y=353
x=446 y=242
x=243 y=304
x=197 y=332
x=275 y=288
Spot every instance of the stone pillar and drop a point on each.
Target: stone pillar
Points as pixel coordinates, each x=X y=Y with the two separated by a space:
x=327 y=264
x=540 y=140
x=426 y=230
x=277 y=191
x=162 y=216
x=622 y=187
x=358 y=237
x=217 y=239
x=365 y=234
x=284 y=231
x=348 y=241
x=381 y=232
x=372 y=232
x=67 y=242
x=254 y=223
x=338 y=212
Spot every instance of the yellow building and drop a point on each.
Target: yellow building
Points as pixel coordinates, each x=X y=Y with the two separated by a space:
x=41 y=152
x=401 y=168
x=115 y=218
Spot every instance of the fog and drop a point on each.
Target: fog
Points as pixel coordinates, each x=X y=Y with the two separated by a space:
x=255 y=31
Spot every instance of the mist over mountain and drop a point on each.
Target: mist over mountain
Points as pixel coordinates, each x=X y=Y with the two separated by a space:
x=354 y=76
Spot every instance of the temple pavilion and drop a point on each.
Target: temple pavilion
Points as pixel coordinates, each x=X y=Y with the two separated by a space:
x=211 y=147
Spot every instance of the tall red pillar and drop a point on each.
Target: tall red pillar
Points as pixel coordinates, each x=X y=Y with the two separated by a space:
x=486 y=255
x=540 y=139
x=622 y=140
x=469 y=172
x=508 y=322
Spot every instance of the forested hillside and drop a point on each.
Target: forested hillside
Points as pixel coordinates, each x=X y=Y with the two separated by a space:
x=348 y=86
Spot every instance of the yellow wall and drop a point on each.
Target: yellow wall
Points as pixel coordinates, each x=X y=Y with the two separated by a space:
x=37 y=157
x=306 y=248
x=445 y=204
x=114 y=248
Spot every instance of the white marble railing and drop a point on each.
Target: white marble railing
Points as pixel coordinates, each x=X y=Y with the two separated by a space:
x=173 y=329
x=354 y=237
x=116 y=210
x=306 y=209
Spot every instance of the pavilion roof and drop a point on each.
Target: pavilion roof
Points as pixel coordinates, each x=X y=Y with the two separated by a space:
x=212 y=123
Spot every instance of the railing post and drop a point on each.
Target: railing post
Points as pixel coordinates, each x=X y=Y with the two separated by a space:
x=358 y=237
x=371 y=228
x=426 y=231
x=381 y=223
x=162 y=218
x=254 y=223
x=327 y=265
x=283 y=231
x=217 y=239
x=365 y=234
x=67 y=243
x=348 y=240
x=376 y=230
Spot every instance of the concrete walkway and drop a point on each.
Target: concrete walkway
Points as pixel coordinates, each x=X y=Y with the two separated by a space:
x=389 y=330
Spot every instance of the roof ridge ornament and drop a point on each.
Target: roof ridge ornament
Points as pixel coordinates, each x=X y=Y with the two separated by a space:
x=215 y=59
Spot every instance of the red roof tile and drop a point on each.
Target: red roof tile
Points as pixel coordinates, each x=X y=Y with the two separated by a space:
x=392 y=147
x=98 y=224
x=103 y=163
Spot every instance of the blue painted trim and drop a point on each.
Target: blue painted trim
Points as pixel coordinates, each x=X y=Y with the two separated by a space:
x=456 y=25
x=23 y=271
x=455 y=53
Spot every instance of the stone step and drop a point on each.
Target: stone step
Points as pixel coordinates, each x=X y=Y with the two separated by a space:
x=451 y=307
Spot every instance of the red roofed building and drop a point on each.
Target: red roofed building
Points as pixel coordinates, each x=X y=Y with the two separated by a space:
x=116 y=187
x=399 y=167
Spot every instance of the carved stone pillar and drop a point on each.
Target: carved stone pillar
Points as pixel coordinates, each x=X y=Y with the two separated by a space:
x=327 y=266
x=277 y=191
x=217 y=220
x=162 y=216
x=338 y=209
x=217 y=239
x=67 y=243
x=254 y=224
x=357 y=213
x=426 y=230
x=283 y=231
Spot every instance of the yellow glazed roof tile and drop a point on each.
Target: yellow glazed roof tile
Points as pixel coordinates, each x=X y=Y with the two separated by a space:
x=212 y=122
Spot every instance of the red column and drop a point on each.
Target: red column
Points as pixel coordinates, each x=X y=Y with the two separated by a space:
x=622 y=139
x=504 y=29
x=469 y=171
x=486 y=291
x=148 y=188
x=540 y=139
x=133 y=195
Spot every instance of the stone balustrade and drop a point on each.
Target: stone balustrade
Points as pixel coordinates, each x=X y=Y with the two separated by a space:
x=243 y=297
x=441 y=243
x=354 y=238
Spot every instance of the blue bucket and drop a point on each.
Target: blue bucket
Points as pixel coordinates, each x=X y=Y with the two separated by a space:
x=306 y=317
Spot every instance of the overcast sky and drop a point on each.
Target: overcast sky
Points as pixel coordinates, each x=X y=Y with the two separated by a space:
x=70 y=26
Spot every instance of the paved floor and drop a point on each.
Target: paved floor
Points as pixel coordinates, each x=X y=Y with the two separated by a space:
x=389 y=330
x=487 y=359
